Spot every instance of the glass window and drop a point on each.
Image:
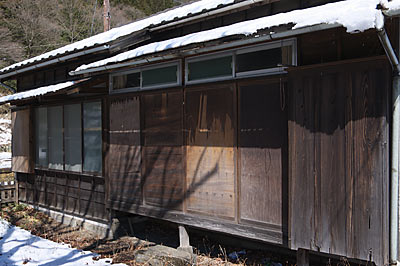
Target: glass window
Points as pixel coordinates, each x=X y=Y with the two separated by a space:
x=41 y=136
x=163 y=75
x=259 y=60
x=55 y=134
x=210 y=68
x=131 y=80
x=92 y=137
x=72 y=137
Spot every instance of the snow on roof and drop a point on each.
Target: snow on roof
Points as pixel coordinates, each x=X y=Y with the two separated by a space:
x=392 y=5
x=113 y=34
x=355 y=15
x=36 y=92
x=392 y=8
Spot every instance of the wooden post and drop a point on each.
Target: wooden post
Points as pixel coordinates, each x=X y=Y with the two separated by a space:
x=106 y=15
x=16 y=195
x=303 y=258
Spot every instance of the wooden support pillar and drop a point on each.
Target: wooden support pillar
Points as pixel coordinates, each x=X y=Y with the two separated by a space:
x=303 y=258
x=184 y=243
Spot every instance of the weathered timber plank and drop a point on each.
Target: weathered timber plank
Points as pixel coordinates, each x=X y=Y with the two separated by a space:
x=210 y=154
x=162 y=152
x=347 y=123
x=263 y=151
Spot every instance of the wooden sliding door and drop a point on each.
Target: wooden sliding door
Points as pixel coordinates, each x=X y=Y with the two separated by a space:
x=263 y=152
x=210 y=152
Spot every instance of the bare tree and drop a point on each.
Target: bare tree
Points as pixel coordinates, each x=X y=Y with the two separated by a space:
x=30 y=24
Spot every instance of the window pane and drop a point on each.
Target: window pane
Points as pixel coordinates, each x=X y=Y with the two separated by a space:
x=55 y=137
x=41 y=136
x=212 y=68
x=164 y=75
x=72 y=137
x=92 y=141
x=258 y=60
x=126 y=81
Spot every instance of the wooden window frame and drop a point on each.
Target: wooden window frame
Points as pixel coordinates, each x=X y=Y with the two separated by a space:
x=82 y=172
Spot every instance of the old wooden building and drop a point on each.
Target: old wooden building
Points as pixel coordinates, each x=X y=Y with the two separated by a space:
x=272 y=120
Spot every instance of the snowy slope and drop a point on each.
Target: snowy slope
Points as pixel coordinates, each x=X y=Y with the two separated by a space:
x=18 y=246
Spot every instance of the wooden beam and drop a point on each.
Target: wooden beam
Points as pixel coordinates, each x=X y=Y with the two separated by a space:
x=303 y=257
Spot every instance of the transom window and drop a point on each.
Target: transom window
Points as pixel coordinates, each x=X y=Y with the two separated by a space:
x=69 y=137
x=271 y=58
x=158 y=76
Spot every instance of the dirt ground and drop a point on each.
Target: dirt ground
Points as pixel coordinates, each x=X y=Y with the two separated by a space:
x=122 y=250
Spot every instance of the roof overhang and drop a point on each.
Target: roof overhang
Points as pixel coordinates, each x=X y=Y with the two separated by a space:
x=211 y=46
x=43 y=91
x=355 y=16
x=114 y=38
x=52 y=61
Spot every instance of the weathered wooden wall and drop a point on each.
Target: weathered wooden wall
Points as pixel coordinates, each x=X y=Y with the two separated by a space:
x=263 y=152
x=339 y=159
x=210 y=120
x=68 y=193
x=22 y=151
x=162 y=149
x=123 y=158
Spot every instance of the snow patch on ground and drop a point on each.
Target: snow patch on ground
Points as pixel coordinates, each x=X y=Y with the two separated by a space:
x=18 y=246
x=354 y=15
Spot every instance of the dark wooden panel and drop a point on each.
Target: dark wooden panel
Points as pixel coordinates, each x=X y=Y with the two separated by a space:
x=163 y=177
x=124 y=151
x=210 y=154
x=70 y=193
x=162 y=152
x=22 y=155
x=162 y=122
x=263 y=152
x=338 y=135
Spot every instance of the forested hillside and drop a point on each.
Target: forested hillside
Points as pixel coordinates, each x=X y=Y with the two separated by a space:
x=32 y=27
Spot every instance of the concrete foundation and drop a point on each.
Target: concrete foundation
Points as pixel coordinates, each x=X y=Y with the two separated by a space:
x=102 y=230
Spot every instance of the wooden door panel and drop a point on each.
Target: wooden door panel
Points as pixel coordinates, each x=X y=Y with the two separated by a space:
x=263 y=152
x=162 y=151
x=210 y=152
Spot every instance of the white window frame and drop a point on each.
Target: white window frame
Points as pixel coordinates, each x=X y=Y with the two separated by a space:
x=163 y=85
x=272 y=45
x=145 y=68
x=209 y=57
x=236 y=51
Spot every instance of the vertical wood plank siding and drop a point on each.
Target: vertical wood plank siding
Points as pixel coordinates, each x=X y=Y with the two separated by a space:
x=300 y=161
x=124 y=155
x=68 y=193
x=210 y=152
x=163 y=144
x=339 y=154
x=263 y=152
